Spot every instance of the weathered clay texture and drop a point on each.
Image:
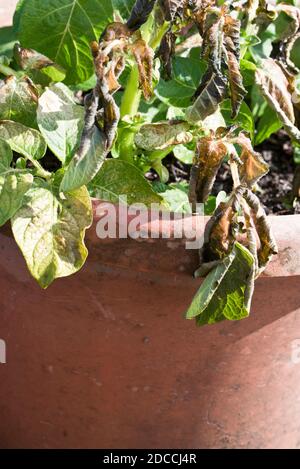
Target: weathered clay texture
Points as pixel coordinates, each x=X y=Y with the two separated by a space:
x=105 y=358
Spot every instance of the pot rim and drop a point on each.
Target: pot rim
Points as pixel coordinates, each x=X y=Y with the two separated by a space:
x=285 y=229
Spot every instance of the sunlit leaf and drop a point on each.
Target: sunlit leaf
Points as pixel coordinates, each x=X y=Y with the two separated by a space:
x=50 y=231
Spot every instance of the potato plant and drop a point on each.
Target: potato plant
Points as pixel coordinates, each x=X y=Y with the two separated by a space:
x=96 y=93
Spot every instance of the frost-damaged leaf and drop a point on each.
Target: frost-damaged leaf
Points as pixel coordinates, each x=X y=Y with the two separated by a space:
x=274 y=86
x=289 y=36
x=14 y=183
x=162 y=135
x=144 y=55
x=85 y=165
x=118 y=178
x=254 y=166
x=50 y=231
x=211 y=95
x=18 y=100
x=166 y=53
x=222 y=293
x=140 y=13
x=60 y=120
x=63 y=30
x=31 y=60
x=218 y=236
x=268 y=245
x=208 y=159
x=21 y=139
x=232 y=32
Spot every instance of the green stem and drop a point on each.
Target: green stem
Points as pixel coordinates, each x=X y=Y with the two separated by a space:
x=132 y=95
x=41 y=172
x=7 y=71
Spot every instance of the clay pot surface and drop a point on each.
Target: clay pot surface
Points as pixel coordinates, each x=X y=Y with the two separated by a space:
x=105 y=358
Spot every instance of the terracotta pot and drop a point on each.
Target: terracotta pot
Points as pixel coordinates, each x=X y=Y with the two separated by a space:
x=105 y=359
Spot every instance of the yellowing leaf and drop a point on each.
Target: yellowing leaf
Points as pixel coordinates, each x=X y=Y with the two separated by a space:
x=14 y=183
x=50 y=231
x=18 y=100
x=162 y=135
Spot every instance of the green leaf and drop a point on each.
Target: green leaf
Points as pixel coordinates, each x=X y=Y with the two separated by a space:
x=268 y=124
x=177 y=200
x=118 y=178
x=179 y=91
x=18 y=100
x=28 y=142
x=183 y=154
x=248 y=72
x=7 y=41
x=60 y=120
x=296 y=154
x=82 y=169
x=14 y=183
x=50 y=231
x=124 y=7
x=222 y=293
x=63 y=31
x=244 y=118
x=295 y=53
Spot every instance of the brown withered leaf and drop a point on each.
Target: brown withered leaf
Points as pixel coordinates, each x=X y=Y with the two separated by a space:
x=213 y=29
x=29 y=59
x=268 y=245
x=161 y=135
x=144 y=56
x=114 y=31
x=232 y=31
x=165 y=53
x=172 y=9
x=272 y=77
x=275 y=87
x=116 y=68
x=212 y=91
x=208 y=159
x=219 y=236
x=254 y=166
x=140 y=13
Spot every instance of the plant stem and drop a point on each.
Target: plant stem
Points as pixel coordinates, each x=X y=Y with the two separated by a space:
x=132 y=95
x=40 y=170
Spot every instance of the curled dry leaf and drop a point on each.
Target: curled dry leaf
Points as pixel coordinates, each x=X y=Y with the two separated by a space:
x=140 y=13
x=219 y=233
x=268 y=245
x=211 y=95
x=172 y=9
x=144 y=56
x=208 y=159
x=253 y=165
x=28 y=59
x=162 y=135
x=232 y=30
x=165 y=53
x=275 y=87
